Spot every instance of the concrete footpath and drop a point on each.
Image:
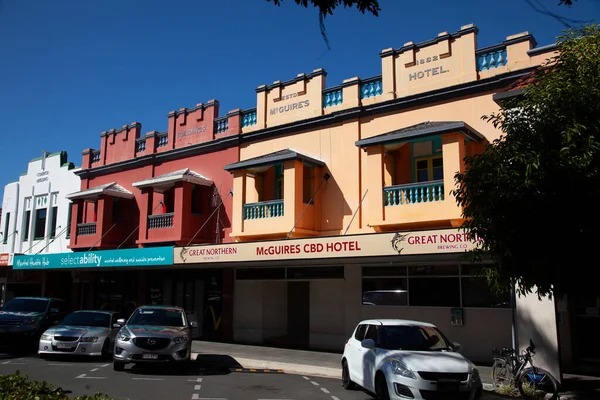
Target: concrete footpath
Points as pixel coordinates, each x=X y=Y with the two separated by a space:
x=324 y=364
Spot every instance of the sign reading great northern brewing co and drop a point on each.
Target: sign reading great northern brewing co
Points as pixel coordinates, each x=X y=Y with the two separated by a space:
x=375 y=244
x=142 y=257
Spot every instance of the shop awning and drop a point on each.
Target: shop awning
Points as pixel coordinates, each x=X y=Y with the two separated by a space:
x=275 y=158
x=163 y=182
x=424 y=129
x=109 y=189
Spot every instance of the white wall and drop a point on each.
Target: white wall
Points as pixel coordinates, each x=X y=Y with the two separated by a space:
x=536 y=320
x=45 y=180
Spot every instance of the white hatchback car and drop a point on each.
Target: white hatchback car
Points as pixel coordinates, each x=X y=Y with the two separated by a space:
x=399 y=359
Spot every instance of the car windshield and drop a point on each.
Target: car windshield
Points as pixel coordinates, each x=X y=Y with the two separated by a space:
x=157 y=317
x=26 y=305
x=94 y=319
x=412 y=337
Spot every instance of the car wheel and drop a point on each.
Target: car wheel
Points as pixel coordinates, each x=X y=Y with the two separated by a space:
x=118 y=366
x=346 y=381
x=381 y=389
x=105 y=349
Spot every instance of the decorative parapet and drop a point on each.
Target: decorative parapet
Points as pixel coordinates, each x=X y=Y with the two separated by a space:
x=333 y=97
x=371 y=87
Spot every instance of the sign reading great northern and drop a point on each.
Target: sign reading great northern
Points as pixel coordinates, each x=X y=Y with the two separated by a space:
x=141 y=257
x=375 y=244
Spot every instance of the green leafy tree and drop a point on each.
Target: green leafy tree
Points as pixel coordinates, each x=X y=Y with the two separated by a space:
x=533 y=196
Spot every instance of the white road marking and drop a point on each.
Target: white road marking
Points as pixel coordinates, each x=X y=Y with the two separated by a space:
x=314 y=383
x=13 y=363
x=197 y=387
x=196 y=396
x=325 y=390
x=7 y=362
x=94 y=369
x=101 y=365
x=83 y=376
x=59 y=364
x=307 y=378
x=148 y=379
x=334 y=398
x=195 y=380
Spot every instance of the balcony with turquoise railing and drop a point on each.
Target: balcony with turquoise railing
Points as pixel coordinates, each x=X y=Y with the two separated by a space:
x=249 y=118
x=414 y=193
x=491 y=58
x=263 y=209
x=371 y=87
x=333 y=97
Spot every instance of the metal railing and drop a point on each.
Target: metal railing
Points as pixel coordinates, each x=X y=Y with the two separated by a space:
x=264 y=209
x=160 y=221
x=491 y=59
x=414 y=193
x=86 y=229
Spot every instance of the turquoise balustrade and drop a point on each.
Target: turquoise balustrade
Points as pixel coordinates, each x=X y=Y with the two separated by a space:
x=264 y=209
x=222 y=125
x=371 y=88
x=332 y=98
x=414 y=193
x=249 y=118
x=491 y=60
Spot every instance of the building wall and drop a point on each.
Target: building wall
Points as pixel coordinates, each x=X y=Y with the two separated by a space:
x=336 y=308
x=44 y=185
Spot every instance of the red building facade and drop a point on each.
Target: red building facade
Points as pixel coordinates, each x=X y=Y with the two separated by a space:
x=160 y=189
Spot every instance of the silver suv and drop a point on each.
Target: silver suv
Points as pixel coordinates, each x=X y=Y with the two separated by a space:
x=154 y=334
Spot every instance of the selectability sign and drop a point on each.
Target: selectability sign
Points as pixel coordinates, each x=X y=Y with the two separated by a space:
x=141 y=257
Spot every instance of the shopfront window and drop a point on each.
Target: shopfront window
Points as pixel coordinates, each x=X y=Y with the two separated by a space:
x=428 y=286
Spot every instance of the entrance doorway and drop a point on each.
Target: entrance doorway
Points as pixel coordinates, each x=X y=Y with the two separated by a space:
x=298 y=311
x=586 y=324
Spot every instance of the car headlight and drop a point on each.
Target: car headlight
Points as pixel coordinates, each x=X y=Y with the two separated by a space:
x=181 y=339
x=46 y=337
x=123 y=337
x=399 y=368
x=89 y=339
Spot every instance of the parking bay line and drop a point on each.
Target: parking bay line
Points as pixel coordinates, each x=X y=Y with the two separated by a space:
x=195 y=380
x=59 y=365
x=83 y=376
x=148 y=379
x=196 y=396
x=197 y=387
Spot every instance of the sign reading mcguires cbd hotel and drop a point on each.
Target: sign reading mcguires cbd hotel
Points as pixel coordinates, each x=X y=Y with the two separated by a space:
x=441 y=241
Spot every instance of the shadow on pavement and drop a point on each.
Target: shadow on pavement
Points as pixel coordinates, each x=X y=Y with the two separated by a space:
x=204 y=364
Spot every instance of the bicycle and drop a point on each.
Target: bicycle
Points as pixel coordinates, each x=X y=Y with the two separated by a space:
x=512 y=369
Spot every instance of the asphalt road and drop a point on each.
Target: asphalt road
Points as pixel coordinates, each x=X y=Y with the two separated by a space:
x=202 y=381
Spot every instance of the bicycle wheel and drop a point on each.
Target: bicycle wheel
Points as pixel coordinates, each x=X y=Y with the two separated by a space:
x=501 y=373
x=537 y=383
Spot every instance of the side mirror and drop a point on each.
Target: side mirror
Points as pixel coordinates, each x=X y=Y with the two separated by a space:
x=121 y=321
x=456 y=346
x=54 y=311
x=368 y=344
x=193 y=324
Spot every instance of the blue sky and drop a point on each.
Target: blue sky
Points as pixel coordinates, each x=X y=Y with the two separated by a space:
x=72 y=69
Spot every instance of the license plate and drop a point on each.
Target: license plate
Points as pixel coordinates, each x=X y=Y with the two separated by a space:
x=150 y=356
x=447 y=385
x=65 y=346
x=3 y=330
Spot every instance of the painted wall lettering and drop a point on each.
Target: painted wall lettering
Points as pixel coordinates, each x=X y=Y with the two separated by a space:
x=191 y=131
x=289 y=107
x=427 y=73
